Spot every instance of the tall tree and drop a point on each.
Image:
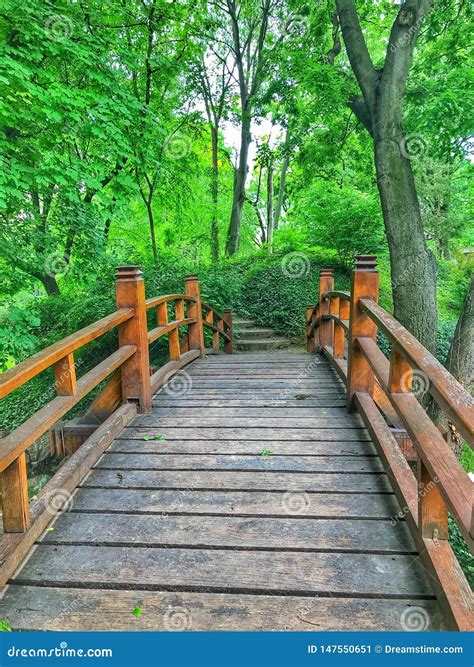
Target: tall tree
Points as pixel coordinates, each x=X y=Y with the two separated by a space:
x=214 y=79
x=249 y=24
x=380 y=108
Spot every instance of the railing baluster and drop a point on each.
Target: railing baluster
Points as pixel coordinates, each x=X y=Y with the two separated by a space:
x=334 y=310
x=309 y=333
x=65 y=376
x=339 y=334
x=365 y=283
x=228 y=344
x=179 y=309
x=130 y=293
x=326 y=328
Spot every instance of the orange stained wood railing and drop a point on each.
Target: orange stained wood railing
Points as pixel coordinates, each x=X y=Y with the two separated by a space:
x=23 y=523
x=343 y=327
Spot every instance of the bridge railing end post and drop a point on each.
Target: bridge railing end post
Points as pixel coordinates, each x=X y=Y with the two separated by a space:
x=135 y=372
x=195 y=330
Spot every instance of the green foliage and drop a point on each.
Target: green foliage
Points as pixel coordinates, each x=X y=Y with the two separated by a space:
x=17 y=336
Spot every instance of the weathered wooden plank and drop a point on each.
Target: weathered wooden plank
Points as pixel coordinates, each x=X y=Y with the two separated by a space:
x=239 y=503
x=193 y=401
x=76 y=609
x=202 y=479
x=255 y=383
x=218 y=531
x=265 y=434
x=275 y=412
x=202 y=421
x=226 y=570
x=279 y=447
x=295 y=464
x=295 y=393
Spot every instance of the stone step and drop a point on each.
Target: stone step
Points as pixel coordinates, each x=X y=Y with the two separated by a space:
x=255 y=345
x=255 y=333
x=243 y=324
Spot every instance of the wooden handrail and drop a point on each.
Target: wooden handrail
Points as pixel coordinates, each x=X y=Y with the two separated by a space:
x=337 y=294
x=134 y=385
x=374 y=384
x=21 y=438
x=28 y=369
x=453 y=399
x=158 y=300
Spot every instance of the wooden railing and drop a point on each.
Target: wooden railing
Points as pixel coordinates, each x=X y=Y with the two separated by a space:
x=135 y=384
x=343 y=327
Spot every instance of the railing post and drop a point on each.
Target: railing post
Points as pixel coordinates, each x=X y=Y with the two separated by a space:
x=15 y=503
x=229 y=344
x=309 y=333
x=195 y=331
x=135 y=372
x=326 y=328
x=432 y=510
x=365 y=284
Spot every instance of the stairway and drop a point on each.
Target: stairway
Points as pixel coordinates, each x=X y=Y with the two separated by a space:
x=249 y=337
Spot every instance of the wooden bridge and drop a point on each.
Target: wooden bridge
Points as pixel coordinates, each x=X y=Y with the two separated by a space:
x=245 y=492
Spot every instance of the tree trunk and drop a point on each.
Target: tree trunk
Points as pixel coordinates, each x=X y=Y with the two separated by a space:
x=50 y=284
x=380 y=109
x=281 y=191
x=460 y=363
x=240 y=176
x=215 y=194
x=151 y=220
x=413 y=266
x=270 y=173
x=460 y=359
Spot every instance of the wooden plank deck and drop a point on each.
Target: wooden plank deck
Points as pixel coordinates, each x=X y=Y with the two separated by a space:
x=263 y=505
